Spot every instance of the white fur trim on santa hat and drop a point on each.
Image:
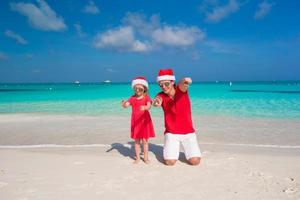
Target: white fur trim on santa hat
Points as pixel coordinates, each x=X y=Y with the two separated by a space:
x=139 y=81
x=166 y=78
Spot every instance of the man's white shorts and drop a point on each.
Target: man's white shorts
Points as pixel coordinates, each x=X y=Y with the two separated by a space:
x=172 y=146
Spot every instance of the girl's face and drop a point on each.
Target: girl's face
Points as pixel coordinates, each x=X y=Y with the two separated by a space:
x=139 y=89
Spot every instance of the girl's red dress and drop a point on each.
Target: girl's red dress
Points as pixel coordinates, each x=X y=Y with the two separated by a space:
x=141 y=122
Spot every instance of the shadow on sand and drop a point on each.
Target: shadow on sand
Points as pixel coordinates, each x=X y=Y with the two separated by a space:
x=127 y=150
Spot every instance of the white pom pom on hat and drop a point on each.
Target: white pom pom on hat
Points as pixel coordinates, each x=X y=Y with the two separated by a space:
x=139 y=80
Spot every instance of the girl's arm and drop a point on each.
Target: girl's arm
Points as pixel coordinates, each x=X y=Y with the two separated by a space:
x=184 y=84
x=125 y=103
x=146 y=107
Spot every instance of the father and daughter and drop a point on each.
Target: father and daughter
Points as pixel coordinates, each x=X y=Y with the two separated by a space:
x=176 y=105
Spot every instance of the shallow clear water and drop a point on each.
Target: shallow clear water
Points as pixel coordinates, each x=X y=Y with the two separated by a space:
x=247 y=99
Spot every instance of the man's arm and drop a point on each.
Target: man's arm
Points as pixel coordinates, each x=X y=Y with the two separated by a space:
x=157 y=101
x=184 y=84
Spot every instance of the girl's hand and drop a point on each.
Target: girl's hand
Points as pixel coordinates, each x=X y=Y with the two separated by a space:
x=124 y=103
x=146 y=107
x=143 y=108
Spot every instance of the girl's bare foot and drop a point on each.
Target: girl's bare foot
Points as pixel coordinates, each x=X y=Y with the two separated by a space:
x=136 y=161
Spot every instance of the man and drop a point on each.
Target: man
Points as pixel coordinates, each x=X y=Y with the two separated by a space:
x=175 y=102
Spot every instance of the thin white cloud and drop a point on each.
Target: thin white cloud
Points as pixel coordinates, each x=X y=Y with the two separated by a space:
x=120 y=39
x=196 y=55
x=3 y=56
x=218 y=13
x=41 y=17
x=29 y=56
x=137 y=34
x=79 y=31
x=177 y=36
x=36 y=71
x=91 y=8
x=219 y=47
x=139 y=23
x=263 y=9
x=19 y=39
x=110 y=70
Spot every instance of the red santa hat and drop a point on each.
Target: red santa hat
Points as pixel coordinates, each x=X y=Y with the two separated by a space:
x=139 y=80
x=165 y=75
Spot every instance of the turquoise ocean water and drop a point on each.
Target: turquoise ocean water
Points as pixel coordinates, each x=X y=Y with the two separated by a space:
x=247 y=99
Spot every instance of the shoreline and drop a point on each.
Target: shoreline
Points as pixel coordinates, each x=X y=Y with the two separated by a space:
x=157 y=113
x=38 y=129
x=50 y=146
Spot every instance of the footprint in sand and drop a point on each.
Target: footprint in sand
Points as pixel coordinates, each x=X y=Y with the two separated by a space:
x=290 y=190
x=290 y=179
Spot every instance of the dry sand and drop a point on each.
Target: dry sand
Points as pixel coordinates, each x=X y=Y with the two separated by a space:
x=94 y=173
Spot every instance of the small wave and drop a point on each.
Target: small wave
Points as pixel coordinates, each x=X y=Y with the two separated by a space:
x=268 y=91
x=19 y=90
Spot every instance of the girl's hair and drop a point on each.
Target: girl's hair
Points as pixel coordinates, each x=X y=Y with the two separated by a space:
x=145 y=90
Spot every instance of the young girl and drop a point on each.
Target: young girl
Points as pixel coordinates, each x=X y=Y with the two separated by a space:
x=141 y=123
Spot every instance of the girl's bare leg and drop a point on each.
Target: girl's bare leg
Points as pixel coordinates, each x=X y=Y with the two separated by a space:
x=137 y=147
x=146 y=148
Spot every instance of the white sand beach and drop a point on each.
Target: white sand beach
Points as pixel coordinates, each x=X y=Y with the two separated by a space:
x=84 y=157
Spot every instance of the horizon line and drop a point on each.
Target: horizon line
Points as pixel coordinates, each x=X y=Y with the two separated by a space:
x=151 y=82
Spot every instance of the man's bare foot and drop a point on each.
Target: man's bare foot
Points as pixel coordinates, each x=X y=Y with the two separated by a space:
x=147 y=161
x=136 y=161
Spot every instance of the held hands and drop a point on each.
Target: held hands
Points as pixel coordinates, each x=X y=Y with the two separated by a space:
x=157 y=101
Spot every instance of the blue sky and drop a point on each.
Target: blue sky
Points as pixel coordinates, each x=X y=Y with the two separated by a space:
x=93 y=41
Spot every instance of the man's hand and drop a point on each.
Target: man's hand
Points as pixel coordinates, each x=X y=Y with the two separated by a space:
x=187 y=81
x=157 y=101
x=184 y=84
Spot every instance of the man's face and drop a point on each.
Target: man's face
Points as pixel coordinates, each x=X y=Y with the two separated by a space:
x=166 y=86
